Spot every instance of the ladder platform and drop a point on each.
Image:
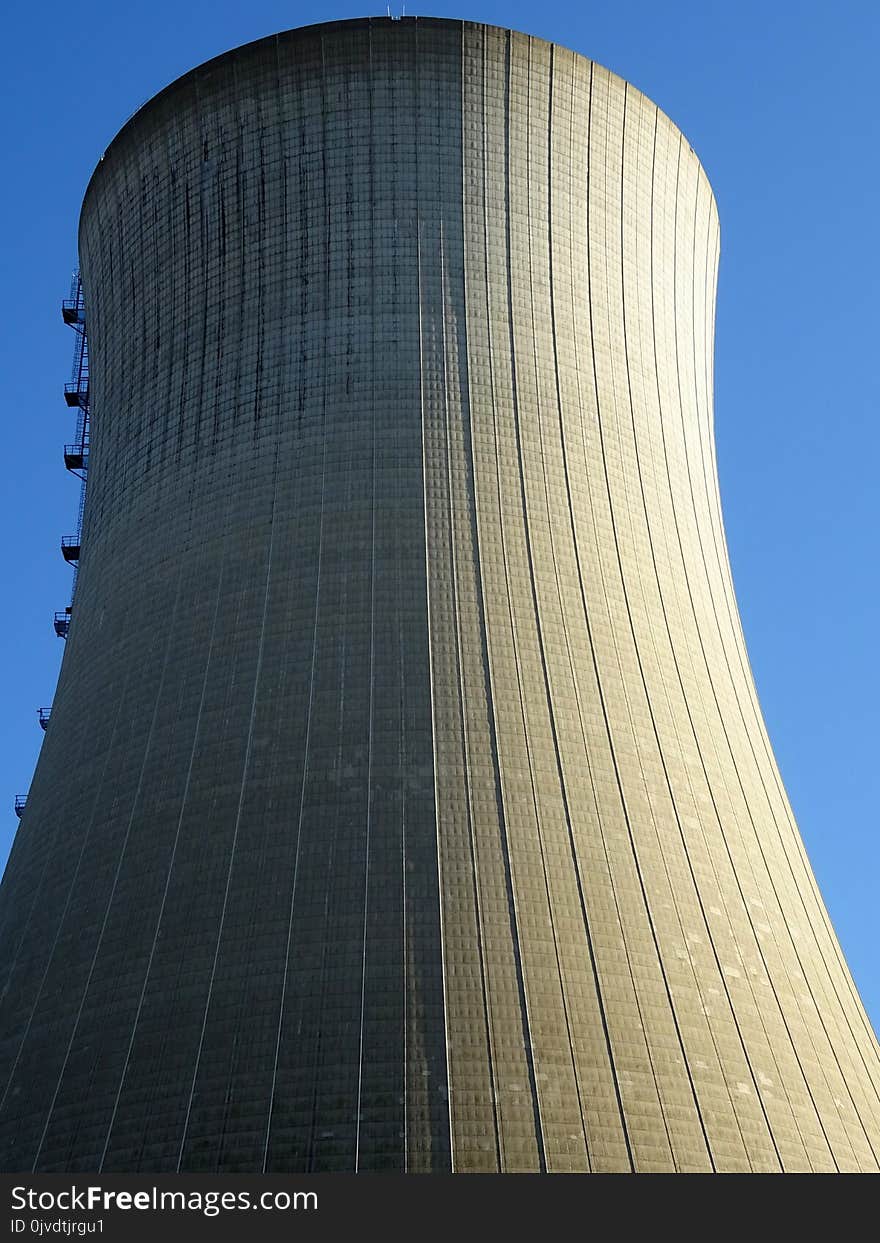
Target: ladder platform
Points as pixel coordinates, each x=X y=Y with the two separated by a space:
x=72 y=311
x=76 y=457
x=75 y=396
x=70 y=548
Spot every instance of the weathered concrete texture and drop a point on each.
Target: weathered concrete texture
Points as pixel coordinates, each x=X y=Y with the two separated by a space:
x=406 y=802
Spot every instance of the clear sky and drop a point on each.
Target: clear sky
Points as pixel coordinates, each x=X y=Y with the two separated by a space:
x=780 y=103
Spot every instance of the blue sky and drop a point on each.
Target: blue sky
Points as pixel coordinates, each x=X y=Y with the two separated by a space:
x=779 y=102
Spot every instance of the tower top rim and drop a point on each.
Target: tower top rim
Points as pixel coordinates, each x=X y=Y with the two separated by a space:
x=309 y=31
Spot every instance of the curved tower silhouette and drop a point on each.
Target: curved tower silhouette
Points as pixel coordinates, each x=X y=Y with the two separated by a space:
x=406 y=802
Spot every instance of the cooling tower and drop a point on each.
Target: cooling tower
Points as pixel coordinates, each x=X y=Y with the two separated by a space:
x=406 y=803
